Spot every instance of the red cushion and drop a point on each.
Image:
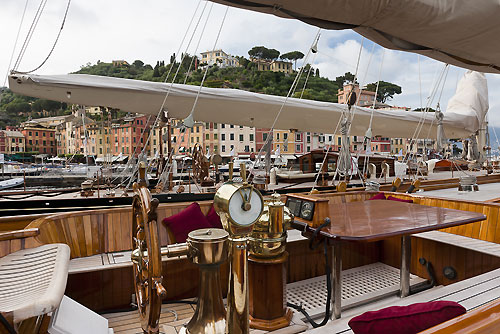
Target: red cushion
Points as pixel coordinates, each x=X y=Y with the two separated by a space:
x=189 y=219
x=378 y=196
x=390 y=198
x=406 y=319
x=213 y=218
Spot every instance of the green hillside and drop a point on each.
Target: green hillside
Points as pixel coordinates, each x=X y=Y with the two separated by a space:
x=244 y=77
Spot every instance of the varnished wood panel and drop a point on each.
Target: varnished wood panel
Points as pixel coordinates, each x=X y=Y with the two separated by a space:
x=467 y=263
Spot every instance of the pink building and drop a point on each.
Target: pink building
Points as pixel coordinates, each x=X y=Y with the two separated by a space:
x=381 y=145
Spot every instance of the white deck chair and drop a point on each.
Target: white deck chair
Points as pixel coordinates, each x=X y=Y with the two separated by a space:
x=32 y=281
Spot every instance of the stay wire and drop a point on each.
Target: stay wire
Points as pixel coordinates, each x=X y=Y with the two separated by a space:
x=55 y=42
x=206 y=68
x=191 y=114
x=366 y=161
x=423 y=116
x=196 y=49
x=136 y=167
x=307 y=78
x=297 y=78
x=15 y=44
x=31 y=30
x=180 y=64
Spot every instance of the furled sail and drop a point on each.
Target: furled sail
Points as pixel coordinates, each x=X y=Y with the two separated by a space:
x=471 y=98
x=459 y=32
x=232 y=106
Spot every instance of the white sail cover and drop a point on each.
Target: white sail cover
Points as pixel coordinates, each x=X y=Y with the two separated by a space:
x=471 y=98
x=232 y=106
x=459 y=32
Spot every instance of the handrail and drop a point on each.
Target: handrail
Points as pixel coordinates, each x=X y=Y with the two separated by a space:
x=19 y=234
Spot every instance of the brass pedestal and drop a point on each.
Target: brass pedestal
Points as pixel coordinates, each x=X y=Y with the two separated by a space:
x=267 y=290
x=208 y=249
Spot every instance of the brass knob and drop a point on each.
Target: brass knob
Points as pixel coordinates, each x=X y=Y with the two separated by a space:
x=246 y=206
x=160 y=290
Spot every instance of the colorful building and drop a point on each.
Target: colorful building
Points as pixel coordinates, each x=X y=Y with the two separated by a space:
x=364 y=97
x=39 y=138
x=272 y=65
x=220 y=58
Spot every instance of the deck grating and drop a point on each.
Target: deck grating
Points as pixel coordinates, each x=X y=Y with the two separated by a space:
x=359 y=285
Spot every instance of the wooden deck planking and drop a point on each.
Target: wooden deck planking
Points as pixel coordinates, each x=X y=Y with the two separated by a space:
x=129 y=322
x=470 y=293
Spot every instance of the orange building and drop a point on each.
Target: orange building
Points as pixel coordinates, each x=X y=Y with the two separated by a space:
x=39 y=138
x=365 y=99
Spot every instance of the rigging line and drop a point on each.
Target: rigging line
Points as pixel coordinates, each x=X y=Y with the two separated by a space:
x=191 y=114
x=297 y=77
x=495 y=133
x=420 y=84
x=180 y=65
x=361 y=89
x=178 y=68
x=167 y=76
x=326 y=155
x=15 y=44
x=430 y=98
x=167 y=169
x=307 y=78
x=344 y=153
x=55 y=42
x=422 y=117
x=196 y=49
x=308 y=73
x=439 y=100
x=31 y=30
x=206 y=68
x=368 y=140
x=442 y=81
x=338 y=60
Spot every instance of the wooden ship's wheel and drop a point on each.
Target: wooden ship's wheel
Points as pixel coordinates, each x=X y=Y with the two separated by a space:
x=201 y=166
x=146 y=259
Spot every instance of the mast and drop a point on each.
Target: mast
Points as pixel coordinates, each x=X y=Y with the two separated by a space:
x=169 y=146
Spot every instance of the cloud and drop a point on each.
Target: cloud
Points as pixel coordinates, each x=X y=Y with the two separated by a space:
x=153 y=30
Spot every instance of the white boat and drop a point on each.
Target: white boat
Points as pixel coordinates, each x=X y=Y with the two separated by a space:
x=11 y=183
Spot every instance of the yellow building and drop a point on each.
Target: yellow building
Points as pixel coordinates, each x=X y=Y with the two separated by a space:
x=220 y=58
x=273 y=65
x=398 y=145
x=281 y=66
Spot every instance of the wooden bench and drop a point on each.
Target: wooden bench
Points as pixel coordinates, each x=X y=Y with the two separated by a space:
x=96 y=232
x=482 y=320
x=472 y=293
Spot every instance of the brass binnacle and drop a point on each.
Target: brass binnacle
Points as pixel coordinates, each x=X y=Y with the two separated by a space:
x=268 y=238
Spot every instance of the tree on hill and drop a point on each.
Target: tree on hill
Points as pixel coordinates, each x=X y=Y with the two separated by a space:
x=294 y=56
x=156 y=71
x=261 y=52
x=423 y=109
x=386 y=90
x=138 y=63
x=347 y=77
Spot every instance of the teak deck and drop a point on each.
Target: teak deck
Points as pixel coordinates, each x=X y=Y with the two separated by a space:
x=100 y=233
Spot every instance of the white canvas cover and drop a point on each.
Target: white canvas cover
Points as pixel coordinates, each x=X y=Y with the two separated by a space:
x=231 y=106
x=459 y=32
x=471 y=97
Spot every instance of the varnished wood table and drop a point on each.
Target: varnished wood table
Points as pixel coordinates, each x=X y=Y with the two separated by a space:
x=369 y=221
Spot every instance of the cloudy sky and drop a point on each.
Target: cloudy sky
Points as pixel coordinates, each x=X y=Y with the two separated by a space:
x=152 y=30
